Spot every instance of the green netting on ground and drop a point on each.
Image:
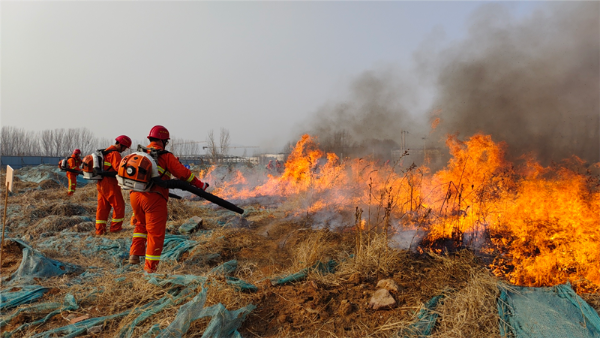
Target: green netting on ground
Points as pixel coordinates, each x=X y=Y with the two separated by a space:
x=224 y=323
x=25 y=294
x=240 y=284
x=52 y=309
x=114 y=250
x=556 y=312
x=174 y=297
x=163 y=280
x=175 y=245
x=79 y=328
x=426 y=319
x=41 y=173
x=35 y=265
x=319 y=267
x=225 y=269
x=228 y=268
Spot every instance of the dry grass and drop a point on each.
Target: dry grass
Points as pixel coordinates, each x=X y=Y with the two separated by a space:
x=316 y=246
x=471 y=311
x=375 y=259
x=593 y=299
x=274 y=246
x=182 y=210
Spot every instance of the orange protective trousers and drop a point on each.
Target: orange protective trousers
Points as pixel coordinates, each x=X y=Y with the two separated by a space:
x=72 y=183
x=150 y=211
x=109 y=195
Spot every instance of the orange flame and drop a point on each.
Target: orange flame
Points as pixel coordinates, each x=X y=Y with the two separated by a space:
x=544 y=221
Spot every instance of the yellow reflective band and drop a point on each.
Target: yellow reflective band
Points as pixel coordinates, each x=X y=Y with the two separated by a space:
x=140 y=235
x=190 y=178
x=163 y=171
x=104 y=222
x=118 y=220
x=152 y=258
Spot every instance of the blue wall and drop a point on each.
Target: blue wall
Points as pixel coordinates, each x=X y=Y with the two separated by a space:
x=17 y=162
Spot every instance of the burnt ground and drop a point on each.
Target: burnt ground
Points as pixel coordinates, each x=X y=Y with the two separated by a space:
x=267 y=244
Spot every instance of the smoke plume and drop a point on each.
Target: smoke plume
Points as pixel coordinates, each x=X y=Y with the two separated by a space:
x=533 y=83
x=371 y=120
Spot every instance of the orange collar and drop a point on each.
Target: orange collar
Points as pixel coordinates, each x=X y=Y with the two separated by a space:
x=156 y=145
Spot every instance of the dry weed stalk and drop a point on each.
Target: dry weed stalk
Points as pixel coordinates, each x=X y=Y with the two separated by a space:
x=375 y=258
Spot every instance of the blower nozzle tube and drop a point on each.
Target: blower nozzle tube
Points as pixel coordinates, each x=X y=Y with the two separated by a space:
x=178 y=184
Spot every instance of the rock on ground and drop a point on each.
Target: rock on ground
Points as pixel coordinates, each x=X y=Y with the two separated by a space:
x=382 y=299
x=388 y=284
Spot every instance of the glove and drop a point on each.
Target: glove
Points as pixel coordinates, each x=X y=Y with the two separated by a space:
x=199 y=184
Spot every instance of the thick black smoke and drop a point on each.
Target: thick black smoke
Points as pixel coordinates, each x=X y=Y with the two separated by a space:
x=371 y=120
x=533 y=83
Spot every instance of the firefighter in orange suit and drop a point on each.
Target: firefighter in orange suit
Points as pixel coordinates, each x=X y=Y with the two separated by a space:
x=150 y=208
x=109 y=192
x=73 y=163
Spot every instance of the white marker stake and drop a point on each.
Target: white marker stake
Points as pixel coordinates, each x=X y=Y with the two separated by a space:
x=9 y=187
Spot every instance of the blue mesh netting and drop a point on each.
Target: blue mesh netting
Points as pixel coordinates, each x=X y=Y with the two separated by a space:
x=53 y=309
x=226 y=268
x=426 y=319
x=175 y=297
x=223 y=324
x=546 y=312
x=41 y=173
x=229 y=268
x=319 y=267
x=35 y=265
x=175 y=246
x=10 y=298
x=163 y=280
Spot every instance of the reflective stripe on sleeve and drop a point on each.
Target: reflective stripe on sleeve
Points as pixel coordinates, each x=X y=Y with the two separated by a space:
x=107 y=163
x=140 y=235
x=163 y=171
x=190 y=178
x=152 y=258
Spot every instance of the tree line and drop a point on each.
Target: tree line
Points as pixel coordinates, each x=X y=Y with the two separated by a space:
x=61 y=142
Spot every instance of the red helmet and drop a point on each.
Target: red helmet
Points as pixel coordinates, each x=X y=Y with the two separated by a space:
x=76 y=152
x=124 y=140
x=159 y=132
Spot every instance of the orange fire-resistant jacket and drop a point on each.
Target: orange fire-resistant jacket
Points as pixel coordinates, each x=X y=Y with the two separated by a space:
x=150 y=209
x=169 y=166
x=73 y=163
x=109 y=195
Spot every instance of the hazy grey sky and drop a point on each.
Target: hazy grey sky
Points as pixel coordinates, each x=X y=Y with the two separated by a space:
x=255 y=68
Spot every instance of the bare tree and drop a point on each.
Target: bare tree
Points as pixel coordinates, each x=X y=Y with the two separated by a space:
x=18 y=142
x=224 y=141
x=51 y=142
x=211 y=146
x=183 y=147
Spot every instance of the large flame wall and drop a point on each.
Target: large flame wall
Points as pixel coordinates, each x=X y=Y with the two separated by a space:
x=543 y=224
